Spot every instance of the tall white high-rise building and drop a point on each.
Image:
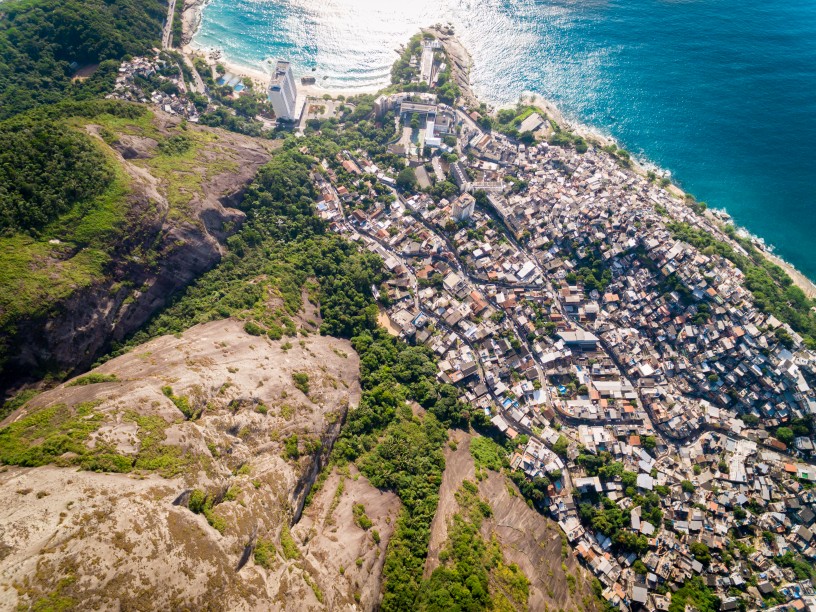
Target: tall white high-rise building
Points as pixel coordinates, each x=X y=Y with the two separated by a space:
x=463 y=207
x=283 y=91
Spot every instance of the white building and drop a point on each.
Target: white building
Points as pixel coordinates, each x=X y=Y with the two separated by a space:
x=283 y=92
x=426 y=65
x=463 y=207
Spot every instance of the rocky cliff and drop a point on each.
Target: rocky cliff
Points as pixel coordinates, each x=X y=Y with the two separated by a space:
x=535 y=543
x=177 y=214
x=169 y=478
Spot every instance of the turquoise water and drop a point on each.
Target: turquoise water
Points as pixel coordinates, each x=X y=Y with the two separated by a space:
x=720 y=92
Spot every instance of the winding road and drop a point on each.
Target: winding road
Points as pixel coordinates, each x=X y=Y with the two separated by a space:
x=167 y=33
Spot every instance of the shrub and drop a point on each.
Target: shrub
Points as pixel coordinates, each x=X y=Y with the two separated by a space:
x=265 y=553
x=360 y=516
x=181 y=402
x=288 y=544
x=253 y=329
x=93 y=379
x=197 y=501
x=301 y=380
x=291 y=450
x=176 y=145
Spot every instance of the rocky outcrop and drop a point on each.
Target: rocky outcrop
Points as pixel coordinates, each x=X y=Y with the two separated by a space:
x=526 y=537
x=191 y=19
x=248 y=446
x=158 y=252
x=345 y=558
x=534 y=543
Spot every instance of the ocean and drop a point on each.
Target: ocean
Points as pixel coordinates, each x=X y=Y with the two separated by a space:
x=722 y=93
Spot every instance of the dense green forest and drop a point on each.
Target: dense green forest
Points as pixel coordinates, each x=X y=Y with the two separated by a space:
x=42 y=42
x=56 y=183
x=46 y=169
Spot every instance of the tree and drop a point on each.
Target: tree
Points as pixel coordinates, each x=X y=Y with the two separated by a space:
x=700 y=552
x=749 y=419
x=687 y=486
x=560 y=446
x=45 y=170
x=406 y=179
x=694 y=594
x=784 y=435
x=246 y=106
x=581 y=145
x=527 y=138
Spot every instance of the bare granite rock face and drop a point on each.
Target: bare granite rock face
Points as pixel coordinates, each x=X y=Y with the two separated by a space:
x=161 y=251
x=201 y=513
x=347 y=557
x=526 y=537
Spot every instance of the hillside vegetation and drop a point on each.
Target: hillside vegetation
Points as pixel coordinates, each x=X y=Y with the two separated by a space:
x=45 y=170
x=284 y=248
x=42 y=42
x=96 y=198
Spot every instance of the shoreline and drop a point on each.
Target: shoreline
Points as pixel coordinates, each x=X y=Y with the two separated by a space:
x=799 y=279
x=462 y=62
x=260 y=77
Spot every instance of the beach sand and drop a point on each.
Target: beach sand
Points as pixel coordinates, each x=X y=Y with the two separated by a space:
x=799 y=279
x=260 y=76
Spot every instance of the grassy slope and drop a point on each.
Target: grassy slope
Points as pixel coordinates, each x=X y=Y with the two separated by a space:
x=180 y=174
x=35 y=275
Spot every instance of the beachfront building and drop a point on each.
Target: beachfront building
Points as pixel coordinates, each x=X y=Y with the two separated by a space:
x=283 y=92
x=426 y=72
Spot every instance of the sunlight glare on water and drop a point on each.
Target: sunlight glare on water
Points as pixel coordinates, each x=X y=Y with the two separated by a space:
x=720 y=92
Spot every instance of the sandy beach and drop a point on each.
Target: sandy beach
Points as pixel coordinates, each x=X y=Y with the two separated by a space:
x=260 y=76
x=799 y=279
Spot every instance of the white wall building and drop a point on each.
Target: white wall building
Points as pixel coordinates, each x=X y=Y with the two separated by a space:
x=283 y=92
x=463 y=207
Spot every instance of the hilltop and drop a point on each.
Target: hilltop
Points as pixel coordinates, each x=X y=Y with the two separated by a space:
x=193 y=451
x=157 y=215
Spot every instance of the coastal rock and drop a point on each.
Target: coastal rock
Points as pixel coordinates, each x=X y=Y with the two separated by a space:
x=191 y=19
